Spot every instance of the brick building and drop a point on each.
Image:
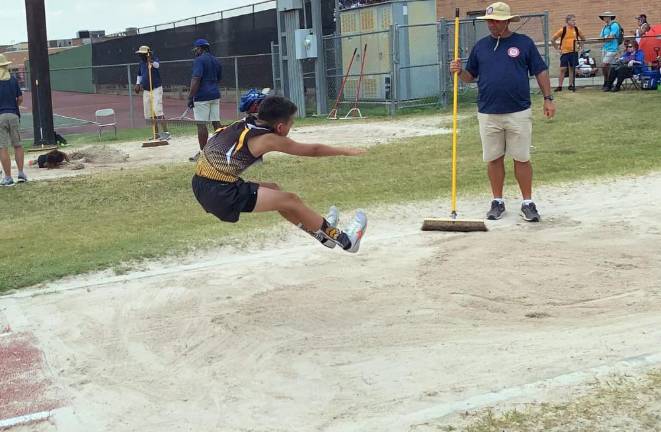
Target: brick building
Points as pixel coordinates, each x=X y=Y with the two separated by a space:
x=586 y=11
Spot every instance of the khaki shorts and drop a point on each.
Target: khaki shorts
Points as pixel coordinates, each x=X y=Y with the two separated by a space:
x=608 y=57
x=157 y=95
x=9 y=130
x=506 y=134
x=208 y=111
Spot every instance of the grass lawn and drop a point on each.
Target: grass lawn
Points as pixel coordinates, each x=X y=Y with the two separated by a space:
x=618 y=403
x=69 y=226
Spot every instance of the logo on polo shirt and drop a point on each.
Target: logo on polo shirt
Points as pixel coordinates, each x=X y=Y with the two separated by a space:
x=513 y=52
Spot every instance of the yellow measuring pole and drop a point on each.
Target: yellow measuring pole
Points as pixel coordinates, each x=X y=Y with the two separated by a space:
x=455 y=102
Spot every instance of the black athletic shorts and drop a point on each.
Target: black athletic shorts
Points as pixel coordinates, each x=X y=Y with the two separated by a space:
x=569 y=59
x=225 y=200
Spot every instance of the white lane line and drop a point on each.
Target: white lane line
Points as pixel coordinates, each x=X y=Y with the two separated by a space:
x=28 y=418
x=489 y=399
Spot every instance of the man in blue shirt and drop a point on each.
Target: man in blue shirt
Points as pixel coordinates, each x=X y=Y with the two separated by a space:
x=152 y=97
x=11 y=97
x=502 y=63
x=204 y=95
x=610 y=33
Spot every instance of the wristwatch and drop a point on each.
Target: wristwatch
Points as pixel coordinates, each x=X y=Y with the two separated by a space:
x=549 y=97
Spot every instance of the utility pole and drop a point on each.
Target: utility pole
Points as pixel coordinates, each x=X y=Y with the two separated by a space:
x=42 y=103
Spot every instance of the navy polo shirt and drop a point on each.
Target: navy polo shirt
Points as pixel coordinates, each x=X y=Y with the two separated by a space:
x=207 y=68
x=9 y=91
x=503 y=73
x=144 y=75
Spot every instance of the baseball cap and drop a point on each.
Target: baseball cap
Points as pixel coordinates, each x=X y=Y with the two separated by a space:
x=201 y=43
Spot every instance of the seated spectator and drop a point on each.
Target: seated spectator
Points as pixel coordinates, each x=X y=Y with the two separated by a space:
x=630 y=64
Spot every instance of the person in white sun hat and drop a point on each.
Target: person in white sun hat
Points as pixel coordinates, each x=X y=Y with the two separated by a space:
x=611 y=34
x=11 y=98
x=502 y=63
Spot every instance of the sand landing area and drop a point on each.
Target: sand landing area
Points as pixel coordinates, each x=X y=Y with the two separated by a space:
x=415 y=328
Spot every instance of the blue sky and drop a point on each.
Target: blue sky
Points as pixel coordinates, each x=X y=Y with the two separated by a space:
x=65 y=17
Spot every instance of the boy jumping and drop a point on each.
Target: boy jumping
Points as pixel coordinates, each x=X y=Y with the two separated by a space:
x=218 y=187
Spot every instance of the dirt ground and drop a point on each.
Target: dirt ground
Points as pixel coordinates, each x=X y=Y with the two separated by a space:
x=127 y=155
x=407 y=335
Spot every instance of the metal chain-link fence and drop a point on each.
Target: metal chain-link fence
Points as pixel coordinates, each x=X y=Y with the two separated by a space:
x=408 y=65
x=78 y=92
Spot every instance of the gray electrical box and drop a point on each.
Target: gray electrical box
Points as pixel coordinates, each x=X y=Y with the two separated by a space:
x=306 y=44
x=287 y=5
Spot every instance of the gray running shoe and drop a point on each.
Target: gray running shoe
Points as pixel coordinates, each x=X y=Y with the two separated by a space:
x=496 y=211
x=22 y=178
x=164 y=136
x=529 y=212
x=7 y=181
x=194 y=158
x=356 y=230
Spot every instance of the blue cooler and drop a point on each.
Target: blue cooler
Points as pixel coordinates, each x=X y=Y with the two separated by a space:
x=649 y=80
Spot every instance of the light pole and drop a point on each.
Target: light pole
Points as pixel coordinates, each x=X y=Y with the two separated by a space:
x=42 y=103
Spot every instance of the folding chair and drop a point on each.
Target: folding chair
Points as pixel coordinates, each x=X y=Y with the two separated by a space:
x=104 y=115
x=632 y=83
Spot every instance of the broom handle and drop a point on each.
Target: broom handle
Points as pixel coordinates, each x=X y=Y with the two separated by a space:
x=151 y=101
x=454 y=116
x=344 y=80
x=360 y=80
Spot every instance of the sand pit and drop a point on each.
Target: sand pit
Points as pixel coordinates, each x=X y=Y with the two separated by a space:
x=413 y=330
x=99 y=154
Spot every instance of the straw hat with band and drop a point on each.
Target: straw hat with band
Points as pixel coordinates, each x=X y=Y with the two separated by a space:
x=499 y=11
x=143 y=50
x=4 y=70
x=4 y=61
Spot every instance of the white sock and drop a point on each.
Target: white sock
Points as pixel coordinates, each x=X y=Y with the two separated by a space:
x=500 y=200
x=526 y=202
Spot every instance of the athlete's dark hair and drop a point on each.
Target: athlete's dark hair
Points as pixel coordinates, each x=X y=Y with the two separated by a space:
x=274 y=109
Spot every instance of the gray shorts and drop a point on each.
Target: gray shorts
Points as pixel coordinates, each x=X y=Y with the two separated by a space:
x=9 y=130
x=503 y=134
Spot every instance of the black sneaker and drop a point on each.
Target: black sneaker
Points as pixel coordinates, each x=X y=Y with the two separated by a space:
x=496 y=211
x=529 y=212
x=558 y=89
x=571 y=88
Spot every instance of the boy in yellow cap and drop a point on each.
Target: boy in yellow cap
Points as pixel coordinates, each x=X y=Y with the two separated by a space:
x=152 y=97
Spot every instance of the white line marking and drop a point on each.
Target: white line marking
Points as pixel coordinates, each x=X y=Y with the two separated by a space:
x=28 y=418
x=489 y=399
